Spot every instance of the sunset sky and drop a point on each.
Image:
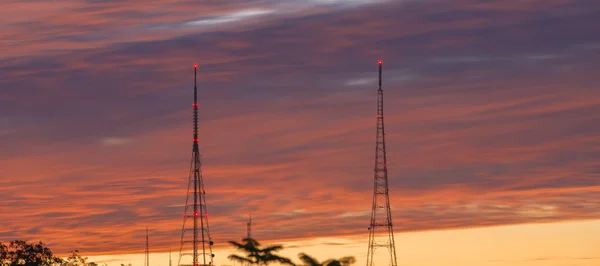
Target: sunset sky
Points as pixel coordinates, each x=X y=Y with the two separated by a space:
x=492 y=126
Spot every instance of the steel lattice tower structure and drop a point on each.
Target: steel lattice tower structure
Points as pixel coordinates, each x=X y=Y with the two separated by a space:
x=196 y=236
x=381 y=215
x=147 y=255
x=249 y=227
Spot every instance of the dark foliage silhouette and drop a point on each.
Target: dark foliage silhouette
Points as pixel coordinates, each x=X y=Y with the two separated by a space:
x=310 y=261
x=22 y=253
x=75 y=259
x=255 y=255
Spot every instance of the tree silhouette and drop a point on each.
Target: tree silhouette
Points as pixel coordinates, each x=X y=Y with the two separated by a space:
x=3 y=254
x=21 y=253
x=75 y=259
x=310 y=261
x=255 y=255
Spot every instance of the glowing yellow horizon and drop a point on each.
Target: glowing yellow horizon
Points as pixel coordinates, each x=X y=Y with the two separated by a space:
x=516 y=245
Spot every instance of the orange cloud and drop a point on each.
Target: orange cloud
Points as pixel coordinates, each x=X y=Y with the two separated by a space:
x=96 y=142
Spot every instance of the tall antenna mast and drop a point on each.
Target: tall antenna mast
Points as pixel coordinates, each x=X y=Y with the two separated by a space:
x=147 y=257
x=249 y=227
x=381 y=215
x=170 y=257
x=201 y=242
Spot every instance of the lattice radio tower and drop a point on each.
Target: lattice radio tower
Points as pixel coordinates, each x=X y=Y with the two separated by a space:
x=147 y=252
x=381 y=215
x=196 y=236
x=249 y=227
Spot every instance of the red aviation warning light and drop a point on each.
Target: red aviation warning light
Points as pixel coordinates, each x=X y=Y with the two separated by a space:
x=195 y=66
x=380 y=62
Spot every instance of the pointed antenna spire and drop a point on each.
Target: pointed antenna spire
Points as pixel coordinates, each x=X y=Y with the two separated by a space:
x=380 y=66
x=169 y=257
x=195 y=104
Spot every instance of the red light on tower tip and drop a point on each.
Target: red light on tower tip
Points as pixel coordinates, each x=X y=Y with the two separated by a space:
x=380 y=62
x=195 y=66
